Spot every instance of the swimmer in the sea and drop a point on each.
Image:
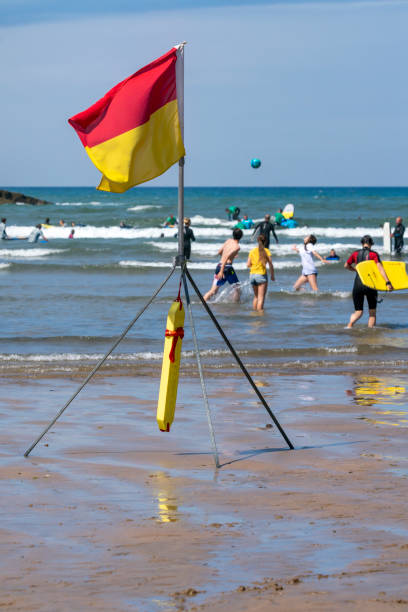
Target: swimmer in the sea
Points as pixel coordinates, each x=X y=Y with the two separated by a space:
x=3 y=233
x=36 y=234
x=170 y=221
x=224 y=272
x=332 y=256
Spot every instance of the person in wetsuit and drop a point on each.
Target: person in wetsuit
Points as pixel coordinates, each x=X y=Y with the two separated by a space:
x=398 y=235
x=188 y=237
x=233 y=213
x=3 y=233
x=264 y=228
x=279 y=217
x=36 y=234
x=359 y=290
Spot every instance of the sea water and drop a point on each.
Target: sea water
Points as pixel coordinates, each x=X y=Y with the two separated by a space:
x=65 y=301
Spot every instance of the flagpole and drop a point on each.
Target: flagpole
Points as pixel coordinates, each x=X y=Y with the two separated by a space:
x=180 y=100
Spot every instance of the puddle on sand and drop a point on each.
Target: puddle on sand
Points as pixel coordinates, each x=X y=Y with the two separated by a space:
x=267 y=545
x=375 y=391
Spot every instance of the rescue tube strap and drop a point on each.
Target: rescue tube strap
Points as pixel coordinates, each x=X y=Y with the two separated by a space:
x=178 y=298
x=175 y=334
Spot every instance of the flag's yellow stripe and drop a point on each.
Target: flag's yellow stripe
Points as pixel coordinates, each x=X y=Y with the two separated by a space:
x=141 y=154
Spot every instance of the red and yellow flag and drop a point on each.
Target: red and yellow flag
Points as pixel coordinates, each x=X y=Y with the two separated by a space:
x=133 y=133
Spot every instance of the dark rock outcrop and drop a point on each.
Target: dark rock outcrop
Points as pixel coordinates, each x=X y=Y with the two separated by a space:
x=11 y=197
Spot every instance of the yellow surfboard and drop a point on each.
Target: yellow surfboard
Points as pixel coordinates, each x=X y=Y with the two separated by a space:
x=288 y=211
x=370 y=275
x=171 y=365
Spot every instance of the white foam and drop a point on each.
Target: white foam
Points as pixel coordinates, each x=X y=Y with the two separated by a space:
x=32 y=253
x=112 y=232
x=93 y=203
x=3 y=266
x=342 y=349
x=56 y=357
x=200 y=220
x=211 y=248
x=204 y=265
x=332 y=232
x=144 y=207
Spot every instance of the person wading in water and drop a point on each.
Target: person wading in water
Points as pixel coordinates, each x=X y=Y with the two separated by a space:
x=360 y=290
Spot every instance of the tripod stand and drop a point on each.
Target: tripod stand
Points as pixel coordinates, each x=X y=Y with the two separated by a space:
x=185 y=276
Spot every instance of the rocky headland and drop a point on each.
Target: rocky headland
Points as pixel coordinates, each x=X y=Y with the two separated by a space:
x=11 y=197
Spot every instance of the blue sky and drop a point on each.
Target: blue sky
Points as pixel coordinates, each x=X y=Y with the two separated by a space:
x=317 y=90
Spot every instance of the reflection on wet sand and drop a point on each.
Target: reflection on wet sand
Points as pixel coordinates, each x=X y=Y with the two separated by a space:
x=167 y=502
x=381 y=390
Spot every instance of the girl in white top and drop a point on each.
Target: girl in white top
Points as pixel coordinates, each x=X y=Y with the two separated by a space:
x=309 y=272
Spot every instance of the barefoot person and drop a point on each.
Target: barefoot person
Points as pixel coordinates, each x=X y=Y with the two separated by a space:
x=258 y=258
x=224 y=272
x=309 y=272
x=360 y=290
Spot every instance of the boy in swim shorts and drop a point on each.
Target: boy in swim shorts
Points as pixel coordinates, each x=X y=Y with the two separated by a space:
x=224 y=272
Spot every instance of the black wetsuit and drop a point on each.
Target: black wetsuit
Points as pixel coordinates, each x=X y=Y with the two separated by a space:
x=399 y=237
x=265 y=229
x=188 y=237
x=360 y=290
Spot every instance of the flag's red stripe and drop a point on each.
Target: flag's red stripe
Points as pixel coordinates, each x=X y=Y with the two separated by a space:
x=130 y=103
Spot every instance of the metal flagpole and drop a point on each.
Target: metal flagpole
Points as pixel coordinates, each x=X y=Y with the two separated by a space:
x=180 y=259
x=180 y=102
x=101 y=362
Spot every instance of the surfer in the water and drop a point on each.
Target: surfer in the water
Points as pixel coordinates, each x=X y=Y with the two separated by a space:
x=3 y=233
x=36 y=234
x=398 y=235
x=188 y=237
x=279 y=217
x=233 y=213
x=224 y=272
x=360 y=290
x=264 y=228
x=171 y=221
x=309 y=271
x=245 y=223
x=332 y=256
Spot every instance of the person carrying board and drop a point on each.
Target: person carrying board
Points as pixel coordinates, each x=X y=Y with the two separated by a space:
x=359 y=290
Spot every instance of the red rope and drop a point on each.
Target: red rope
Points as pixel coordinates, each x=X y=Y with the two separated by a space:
x=176 y=334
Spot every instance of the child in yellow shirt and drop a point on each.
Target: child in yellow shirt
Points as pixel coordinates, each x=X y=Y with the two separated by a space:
x=258 y=259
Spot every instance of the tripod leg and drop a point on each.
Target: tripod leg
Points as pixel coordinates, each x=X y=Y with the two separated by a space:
x=200 y=371
x=100 y=363
x=238 y=360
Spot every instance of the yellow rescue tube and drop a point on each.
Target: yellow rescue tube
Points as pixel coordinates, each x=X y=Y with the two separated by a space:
x=171 y=365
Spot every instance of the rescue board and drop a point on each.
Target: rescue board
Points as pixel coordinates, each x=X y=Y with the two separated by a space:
x=370 y=275
x=288 y=211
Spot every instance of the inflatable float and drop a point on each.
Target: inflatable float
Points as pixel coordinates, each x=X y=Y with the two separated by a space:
x=288 y=223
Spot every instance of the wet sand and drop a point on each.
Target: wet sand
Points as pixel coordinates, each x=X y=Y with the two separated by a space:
x=110 y=514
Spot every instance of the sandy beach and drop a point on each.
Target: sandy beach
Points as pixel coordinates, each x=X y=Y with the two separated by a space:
x=109 y=513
